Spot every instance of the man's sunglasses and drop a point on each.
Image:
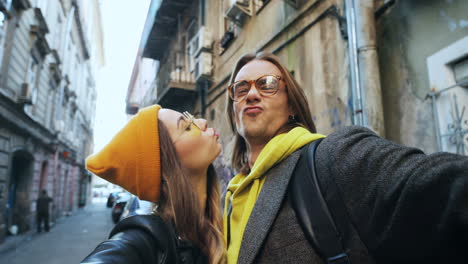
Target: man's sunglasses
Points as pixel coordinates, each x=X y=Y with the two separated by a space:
x=266 y=85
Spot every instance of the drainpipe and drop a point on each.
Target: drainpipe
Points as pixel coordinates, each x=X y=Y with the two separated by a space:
x=357 y=114
x=367 y=92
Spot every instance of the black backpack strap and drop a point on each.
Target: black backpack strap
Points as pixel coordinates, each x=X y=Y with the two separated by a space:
x=312 y=211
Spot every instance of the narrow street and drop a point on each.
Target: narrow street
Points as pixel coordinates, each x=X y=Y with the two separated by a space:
x=69 y=241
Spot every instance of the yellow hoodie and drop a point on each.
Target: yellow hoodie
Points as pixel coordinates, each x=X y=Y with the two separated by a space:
x=243 y=190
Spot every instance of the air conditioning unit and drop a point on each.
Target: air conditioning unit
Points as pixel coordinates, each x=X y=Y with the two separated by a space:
x=238 y=11
x=203 y=65
x=201 y=41
x=25 y=96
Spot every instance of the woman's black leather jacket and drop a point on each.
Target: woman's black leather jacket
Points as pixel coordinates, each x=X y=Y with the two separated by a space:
x=145 y=239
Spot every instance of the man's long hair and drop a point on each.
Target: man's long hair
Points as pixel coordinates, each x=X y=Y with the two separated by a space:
x=297 y=101
x=180 y=205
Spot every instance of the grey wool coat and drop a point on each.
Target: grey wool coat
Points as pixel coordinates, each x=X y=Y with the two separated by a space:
x=402 y=205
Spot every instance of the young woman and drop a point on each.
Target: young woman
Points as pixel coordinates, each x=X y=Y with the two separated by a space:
x=164 y=157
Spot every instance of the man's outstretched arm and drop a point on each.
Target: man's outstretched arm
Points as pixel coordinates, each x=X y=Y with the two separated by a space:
x=406 y=206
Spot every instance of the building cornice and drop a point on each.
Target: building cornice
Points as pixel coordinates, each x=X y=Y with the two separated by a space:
x=12 y=115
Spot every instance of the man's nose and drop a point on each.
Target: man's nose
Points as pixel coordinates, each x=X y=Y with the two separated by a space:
x=201 y=123
x=253 y=93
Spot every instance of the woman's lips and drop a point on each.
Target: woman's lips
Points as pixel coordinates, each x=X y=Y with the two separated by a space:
x=253 y=110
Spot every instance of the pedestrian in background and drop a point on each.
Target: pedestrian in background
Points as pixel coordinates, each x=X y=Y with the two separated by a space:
x=165 y=157
x=366 y=199
x=42 y=211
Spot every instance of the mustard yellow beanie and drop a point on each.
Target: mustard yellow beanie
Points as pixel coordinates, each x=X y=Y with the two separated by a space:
x=132 y=158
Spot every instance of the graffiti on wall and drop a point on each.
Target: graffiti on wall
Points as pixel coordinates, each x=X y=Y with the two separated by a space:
x=334 y=118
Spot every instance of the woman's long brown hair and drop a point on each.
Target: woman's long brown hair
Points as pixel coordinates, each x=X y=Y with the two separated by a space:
x=179 y=203
x=296 y=99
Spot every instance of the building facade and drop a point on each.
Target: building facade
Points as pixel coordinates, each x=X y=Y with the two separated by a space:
x=49 y=61
x=398 y=67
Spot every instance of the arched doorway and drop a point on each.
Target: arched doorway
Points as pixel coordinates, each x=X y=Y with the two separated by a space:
x=84 y=183
x=18 y=210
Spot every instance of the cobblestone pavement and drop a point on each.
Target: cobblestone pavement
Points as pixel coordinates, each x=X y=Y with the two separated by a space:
x=69 y=241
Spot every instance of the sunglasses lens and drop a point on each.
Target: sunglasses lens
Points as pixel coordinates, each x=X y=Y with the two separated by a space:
x=267 y=85
x=240 y=89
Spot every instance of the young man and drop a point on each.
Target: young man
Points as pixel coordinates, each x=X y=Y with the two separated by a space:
x=42 y=211
x=399 y=205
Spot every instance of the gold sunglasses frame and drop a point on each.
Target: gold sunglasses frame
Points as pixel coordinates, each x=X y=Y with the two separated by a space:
x=190 y=118
x=279 y=78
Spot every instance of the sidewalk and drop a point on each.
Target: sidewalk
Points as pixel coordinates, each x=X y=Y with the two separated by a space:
x=12 y=242
x=69 y=241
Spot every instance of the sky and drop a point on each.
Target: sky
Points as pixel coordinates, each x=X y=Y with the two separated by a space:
x=123 y=23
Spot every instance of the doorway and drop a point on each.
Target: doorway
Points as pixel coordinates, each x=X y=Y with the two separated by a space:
x=18 y=212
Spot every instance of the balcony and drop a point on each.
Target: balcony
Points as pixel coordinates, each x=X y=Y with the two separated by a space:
x=176 y=88
x=161 y=26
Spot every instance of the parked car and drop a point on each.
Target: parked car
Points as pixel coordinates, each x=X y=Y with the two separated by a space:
x=112 y=198
x=119 y=205
x=135 y=206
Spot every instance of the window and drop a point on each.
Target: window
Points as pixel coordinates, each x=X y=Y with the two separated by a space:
x=31 y=78
x=447 y=75
x=3 y=31
x=76 y=73
x=67 y=59
x=191 y=47
x=192 y=29
x=58 y=32
x=181 y=58
x=65 y=95
x=30 y=92
x=460 y=69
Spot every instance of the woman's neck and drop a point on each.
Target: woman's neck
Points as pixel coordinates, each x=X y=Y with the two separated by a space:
x=199 y=181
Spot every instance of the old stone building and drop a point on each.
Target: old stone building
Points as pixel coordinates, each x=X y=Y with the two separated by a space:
x=398 y=67
x=50 y=53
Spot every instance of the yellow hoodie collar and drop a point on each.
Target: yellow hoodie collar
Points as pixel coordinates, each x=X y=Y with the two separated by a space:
x=243 y=190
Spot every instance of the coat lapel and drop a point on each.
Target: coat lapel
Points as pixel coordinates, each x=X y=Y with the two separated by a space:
x=266 y=208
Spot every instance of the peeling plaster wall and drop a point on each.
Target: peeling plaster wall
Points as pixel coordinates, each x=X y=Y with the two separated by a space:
x=318 y=60
x=317 y=57
x=408 y=34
